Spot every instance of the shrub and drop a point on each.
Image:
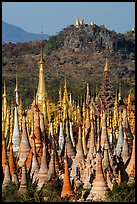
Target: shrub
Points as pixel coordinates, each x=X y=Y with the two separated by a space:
x=51 y=192
x=122 y=193
x=10 y=193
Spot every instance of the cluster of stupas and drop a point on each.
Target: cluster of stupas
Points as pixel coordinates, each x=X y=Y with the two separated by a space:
x=81 y=22
x=89 y=142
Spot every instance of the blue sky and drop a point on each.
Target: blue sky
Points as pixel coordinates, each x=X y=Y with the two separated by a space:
x=54 y=16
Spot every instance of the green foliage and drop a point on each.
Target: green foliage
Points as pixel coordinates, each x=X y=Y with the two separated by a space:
x=53 y=43
x=50 y=192
x=122 y=193
x=56 y=41
x=33 y=193
x=79 y=191
x=10 y=193
x=53 y=196
x=7 y=161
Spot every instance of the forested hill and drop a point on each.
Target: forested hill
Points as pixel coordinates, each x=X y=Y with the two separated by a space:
x=77 y=53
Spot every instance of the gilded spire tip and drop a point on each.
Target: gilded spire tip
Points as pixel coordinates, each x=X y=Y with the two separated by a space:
x=65 y=83
x=106 y=66
x=41 y=58
x=16 y=89
x=4 y=94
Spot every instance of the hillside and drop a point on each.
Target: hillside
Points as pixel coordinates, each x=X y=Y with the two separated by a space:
x=14 y=34
x=77 y=53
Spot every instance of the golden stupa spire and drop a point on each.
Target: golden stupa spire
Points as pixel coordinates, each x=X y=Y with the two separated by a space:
x=84 y=111
x=65 y=97
x=106 y=66
x=77 y=24
x=129 y=98
x=96 y=96
x=41 y=58
x=65 y=86
x=17 y=92
x=4 y=92
x=60 y=96
x=84 y=140
x=119 y=94
x=4 y=109
x=92 y=23
x=115 y=114
x=16 y=89
x=78 y=102
x=65 y=101
x=41 y=92
x=87 y=95
x=116 y=98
